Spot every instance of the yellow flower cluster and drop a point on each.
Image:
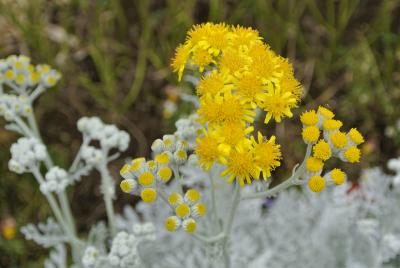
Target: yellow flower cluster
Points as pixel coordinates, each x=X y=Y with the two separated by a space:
x=186 y=209
x=240 y=74
x=334 y=142
x=17 y=71
x=143 y=177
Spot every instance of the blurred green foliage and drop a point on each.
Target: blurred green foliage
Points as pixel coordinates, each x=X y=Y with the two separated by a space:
x=114 y=57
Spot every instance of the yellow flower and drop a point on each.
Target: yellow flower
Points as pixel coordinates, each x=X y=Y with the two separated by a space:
x=352 y=155
x=338 y=139
x=182 y=210
x=264 y=62
x=199 y=210
x=175 y=199
x=146 y=178
x=192 y=196
x=314 y=165
x=178 y=63
x=165 y=174
x=250 y=87
x=332 y=124
x=212 y=84
x=172 y=223
x=148 y=195
x=207 y=149
x=267 y=154
x=316 y=184
x=322 y=150
x=338 y=176
x=233 y=62
x=309 y=118
x=310 y=134
x=224 y=109
x=355 y=136
x=189 y=225
x=325 y=112
x=234 y=133
x=201 y=58
x=217 y=38
x=277 y=105
x=241 y=165
x=244 y=37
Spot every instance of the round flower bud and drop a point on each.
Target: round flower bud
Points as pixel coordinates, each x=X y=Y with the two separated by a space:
x=125 y=172
x=310 y=134
x=322 y=150
x=148 y=195
x=128 y=185
x=314 y=165
x=355 y=136
x=192 y=196
x=182 y=210
x=337 y=176
x=157 y=146
x=351 y=155
x=325 y=113
x=331 y=124
x=316 y=184
x=163 y=158
x=175 y=199
x=180 y=157
x=199 y=210
x=189 y=225
x=164 y=174
x=338 y=139
x=309 y=118
x=172 y=223
x=146 y=178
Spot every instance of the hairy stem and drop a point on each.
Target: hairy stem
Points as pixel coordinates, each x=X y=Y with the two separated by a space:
x=108 y=191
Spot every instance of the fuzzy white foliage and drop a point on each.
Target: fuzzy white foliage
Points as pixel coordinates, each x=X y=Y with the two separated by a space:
x=47 y=234
x=337 y=228
x=26 y=153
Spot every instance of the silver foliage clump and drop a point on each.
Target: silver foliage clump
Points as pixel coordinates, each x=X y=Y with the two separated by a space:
x=352 y=226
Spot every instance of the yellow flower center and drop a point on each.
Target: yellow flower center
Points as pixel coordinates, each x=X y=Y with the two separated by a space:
x=356 y=136
x=309 y=118
x=182 y=210
x=146 y=178
x=148 y=195
x=171 y=223
x=322 y=150
x=310 y=134
x=192 y=195
x=165 y=174
x=316 y=184
x=314 y=164
x=339 y=139
x=352 y=154
x=338 y=176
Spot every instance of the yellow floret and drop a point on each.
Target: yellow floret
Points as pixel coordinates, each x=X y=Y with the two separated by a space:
x=339 y=139
x=182 y=210
x=172 y=223
x=136 y=164
x=127 y=185
x=9 y=74
x=174 y=199
x=310 y=134
x=352 y=154
x=146 y=178
x=332 y=124
x=165 y=174
x=326 y=113
x=162 y=158
x=189 y=225
x=322 y=150
x=338 y=176
x=316 y=184
x=309 y=118
x=199 y=210
x=314 y=164
x=148 y=195
x=192 y=195
x=356 y=136
x=125 y=170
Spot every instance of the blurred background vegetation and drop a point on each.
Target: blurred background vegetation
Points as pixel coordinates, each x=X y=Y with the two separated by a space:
x=114 y=57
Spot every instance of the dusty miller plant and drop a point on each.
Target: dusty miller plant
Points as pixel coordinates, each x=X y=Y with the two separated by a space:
x=214 y=169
